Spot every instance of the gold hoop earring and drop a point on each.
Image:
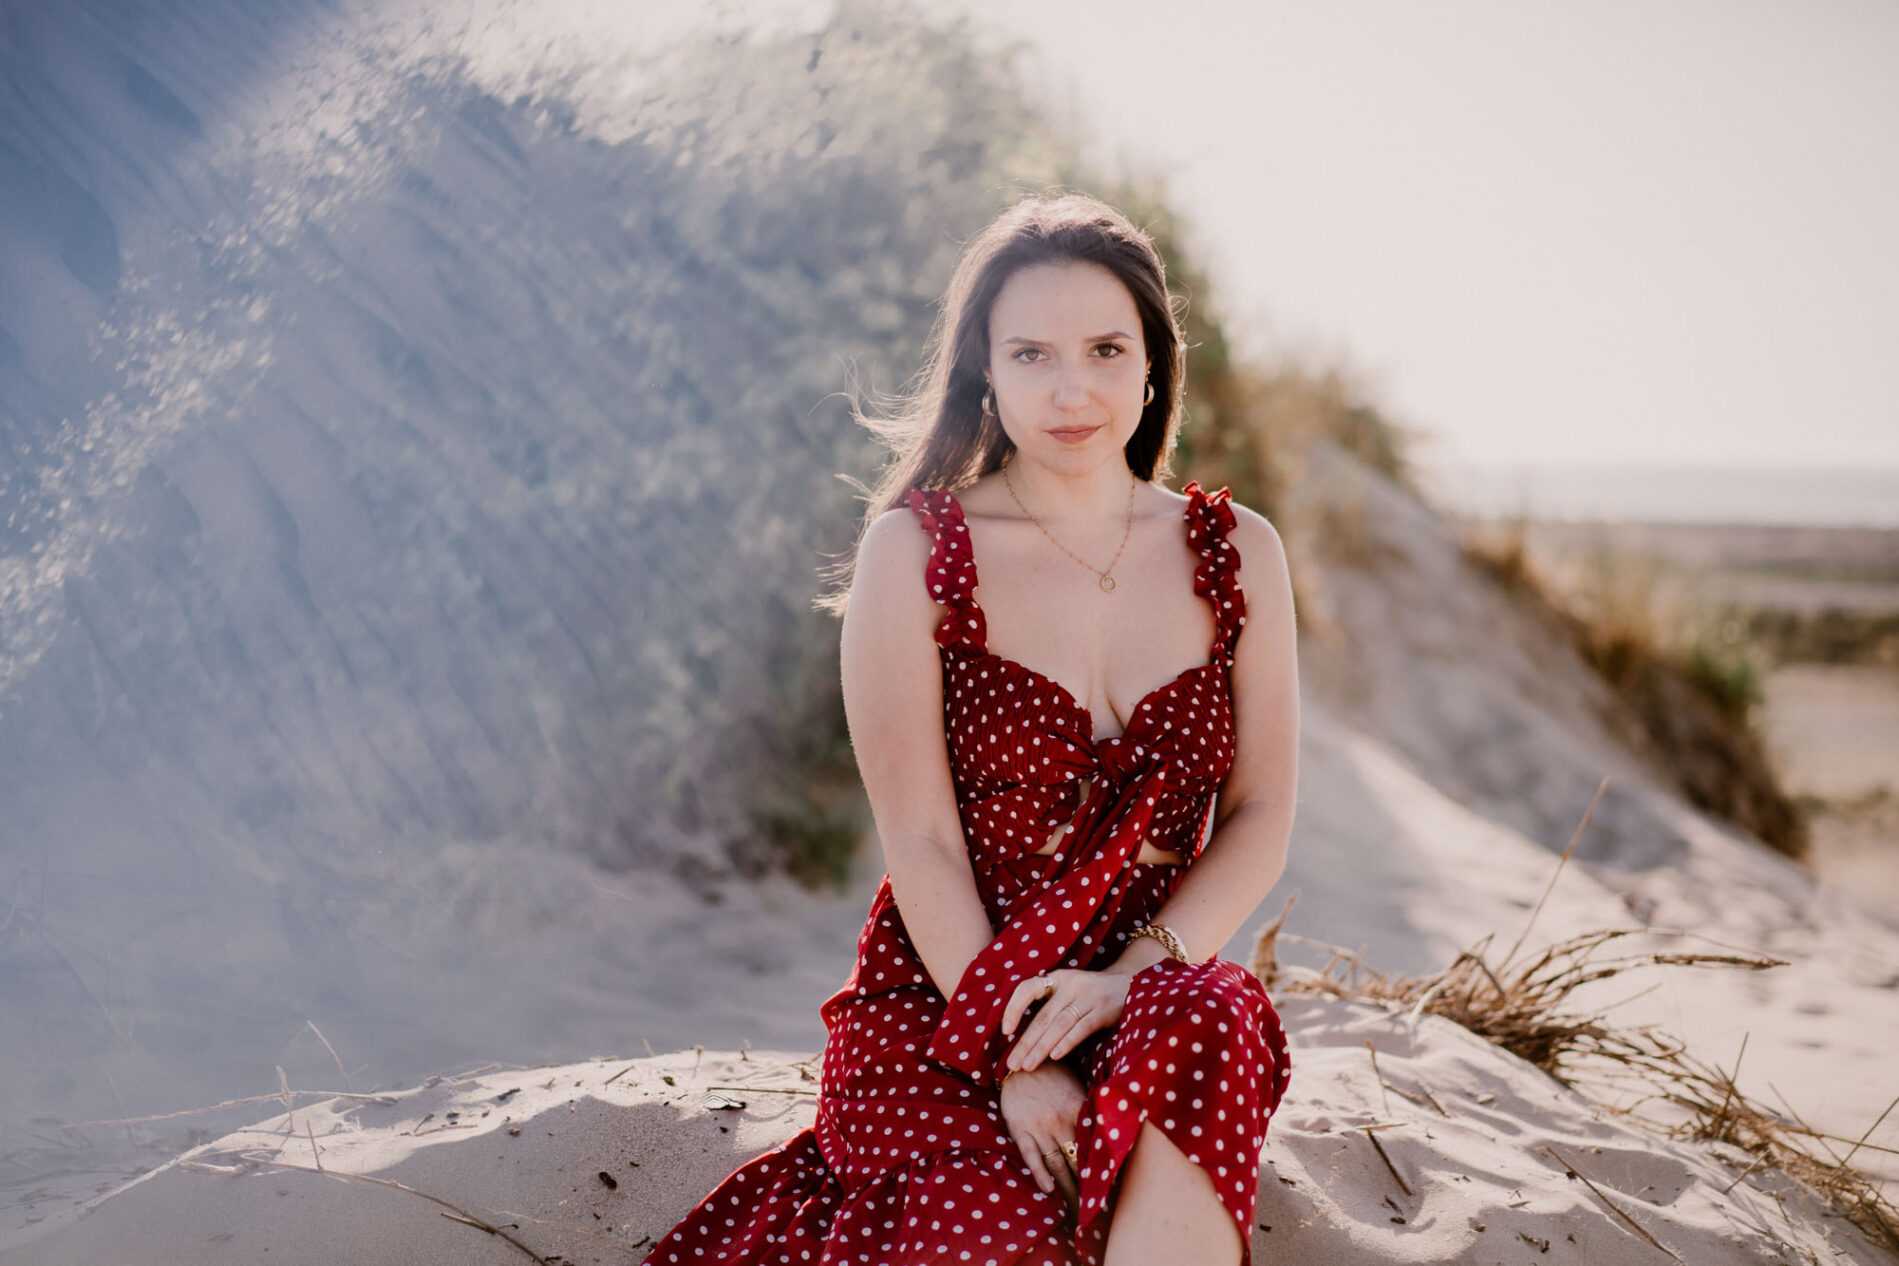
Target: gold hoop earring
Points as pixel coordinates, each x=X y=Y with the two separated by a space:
x=989 y=403
x=1150 y=394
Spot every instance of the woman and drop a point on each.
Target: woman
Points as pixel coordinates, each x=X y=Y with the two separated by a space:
x=1037 y=1060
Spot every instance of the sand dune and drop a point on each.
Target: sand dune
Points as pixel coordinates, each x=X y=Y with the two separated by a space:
x=591 y=1162
x=350 y=706
x=1388 y=862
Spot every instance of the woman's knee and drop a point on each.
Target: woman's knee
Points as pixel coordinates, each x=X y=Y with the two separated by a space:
x=1223 y=998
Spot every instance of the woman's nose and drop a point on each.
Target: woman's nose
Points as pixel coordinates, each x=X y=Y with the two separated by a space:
x=1071 y=387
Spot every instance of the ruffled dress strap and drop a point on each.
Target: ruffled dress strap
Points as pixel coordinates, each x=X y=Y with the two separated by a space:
x=950 y=575
x=1216 y=577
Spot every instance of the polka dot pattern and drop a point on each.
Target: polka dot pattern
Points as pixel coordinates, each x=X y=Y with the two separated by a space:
x=910 y=1161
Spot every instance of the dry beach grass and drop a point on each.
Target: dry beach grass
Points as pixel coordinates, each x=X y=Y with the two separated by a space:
x=1525 y=1007
x=591 y=1162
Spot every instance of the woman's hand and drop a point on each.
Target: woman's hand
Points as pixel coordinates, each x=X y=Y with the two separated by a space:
x=1040 y=1108
x=1074 y=1005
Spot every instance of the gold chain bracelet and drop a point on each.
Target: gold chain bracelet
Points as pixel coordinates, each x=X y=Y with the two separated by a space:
x=1166 y=936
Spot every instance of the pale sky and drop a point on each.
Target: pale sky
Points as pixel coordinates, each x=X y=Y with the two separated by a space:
x=1601 y=230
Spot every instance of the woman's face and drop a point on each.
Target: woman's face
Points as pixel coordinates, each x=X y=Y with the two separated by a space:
x=1067 y=363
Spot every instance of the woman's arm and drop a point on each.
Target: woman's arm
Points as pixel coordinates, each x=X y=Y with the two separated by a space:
x=1252 y=823
x=893 y=701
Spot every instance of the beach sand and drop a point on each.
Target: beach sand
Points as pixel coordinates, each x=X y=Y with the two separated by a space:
x=1476 y=1144
x=1412 y=1143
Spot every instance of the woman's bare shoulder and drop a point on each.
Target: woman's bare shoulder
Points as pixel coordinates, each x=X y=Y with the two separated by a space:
x=891 y=617
x=892 y=556
x=1254 y=538
x=1257 y=541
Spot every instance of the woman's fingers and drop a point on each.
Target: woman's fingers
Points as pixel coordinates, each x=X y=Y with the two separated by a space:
x=1037 y=1162
x=1027 y=994
x=1077 y=1033
x=1024 y=996
x=1033 y=1048
x=1041 y=1110
x=1018 y=1057
x=1065 y=1178
x=1074 y=1005
x=1056 y=1024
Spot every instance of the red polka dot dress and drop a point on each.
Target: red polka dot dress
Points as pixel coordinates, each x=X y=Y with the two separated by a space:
x=910 y=1161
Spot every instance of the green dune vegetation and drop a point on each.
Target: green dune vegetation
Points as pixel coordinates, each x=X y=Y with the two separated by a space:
x=1691 y=700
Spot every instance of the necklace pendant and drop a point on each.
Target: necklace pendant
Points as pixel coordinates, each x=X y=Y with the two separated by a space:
x=1107 y=582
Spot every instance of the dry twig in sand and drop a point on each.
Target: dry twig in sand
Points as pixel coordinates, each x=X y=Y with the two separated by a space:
x=453 y=1212
x=1614 y=1208
x=332 y=1050
x=358 y=1096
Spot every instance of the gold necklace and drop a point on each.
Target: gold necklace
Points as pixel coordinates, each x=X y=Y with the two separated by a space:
x=1107 y=577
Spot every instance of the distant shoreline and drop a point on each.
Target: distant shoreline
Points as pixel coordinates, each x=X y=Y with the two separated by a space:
x=1806 y=571
x=1699 y=495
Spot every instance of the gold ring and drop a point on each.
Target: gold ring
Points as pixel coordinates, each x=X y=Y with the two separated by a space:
x=1072 y=1153
x=1070 y=1008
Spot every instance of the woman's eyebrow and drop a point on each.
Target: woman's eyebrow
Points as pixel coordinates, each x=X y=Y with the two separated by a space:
x=1098 y=338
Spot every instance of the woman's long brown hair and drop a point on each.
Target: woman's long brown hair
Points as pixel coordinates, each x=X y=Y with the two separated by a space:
x=938 y=437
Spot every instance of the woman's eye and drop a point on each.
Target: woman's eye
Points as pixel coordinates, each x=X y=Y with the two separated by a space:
x=1108 y=351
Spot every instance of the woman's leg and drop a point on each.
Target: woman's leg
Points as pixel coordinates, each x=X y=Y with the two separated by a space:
x=1167 y=1210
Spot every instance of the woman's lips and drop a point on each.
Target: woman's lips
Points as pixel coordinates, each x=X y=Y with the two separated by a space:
x=1074 y=433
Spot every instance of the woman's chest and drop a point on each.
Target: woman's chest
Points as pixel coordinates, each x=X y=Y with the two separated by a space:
x=1107 y=652
x=1006 y=723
